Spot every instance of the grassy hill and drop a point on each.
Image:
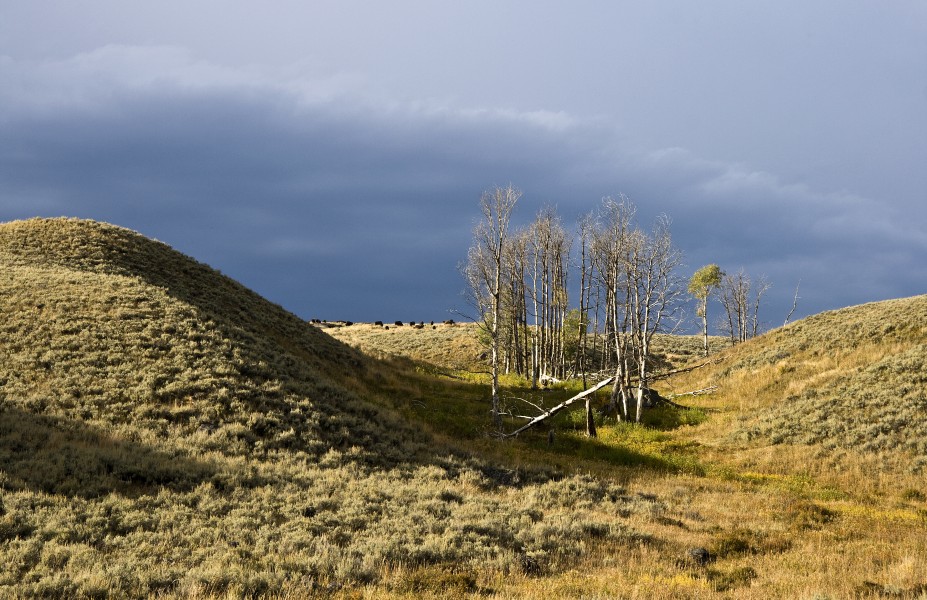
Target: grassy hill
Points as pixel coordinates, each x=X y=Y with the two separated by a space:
x=847 y=387
x=165 y=432
x=457 y=346
x=454 y=347
x=856 y=379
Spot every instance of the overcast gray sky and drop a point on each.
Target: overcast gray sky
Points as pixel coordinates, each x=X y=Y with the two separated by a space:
x=330 y=155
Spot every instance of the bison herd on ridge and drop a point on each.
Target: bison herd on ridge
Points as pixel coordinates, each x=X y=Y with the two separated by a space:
x=418 y=325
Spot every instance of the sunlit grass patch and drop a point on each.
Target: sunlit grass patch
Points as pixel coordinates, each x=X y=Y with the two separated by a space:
x=879 y=513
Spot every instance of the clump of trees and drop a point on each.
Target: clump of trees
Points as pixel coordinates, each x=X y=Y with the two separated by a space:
x=739 y=296
x=629 y=291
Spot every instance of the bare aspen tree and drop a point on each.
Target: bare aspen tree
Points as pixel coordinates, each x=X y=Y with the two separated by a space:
x=596 y=311
x=535 y=274
x=611 y=240
x=586 y=230
x=484 y=272
x=516 y=299
x=656 y=294
x=761 y=288
x=788 y=317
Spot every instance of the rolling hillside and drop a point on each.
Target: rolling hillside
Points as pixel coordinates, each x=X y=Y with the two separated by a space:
x=447 y=346
x=846 y=381
x=163 y=430
x=857 y=378
x=457 y=346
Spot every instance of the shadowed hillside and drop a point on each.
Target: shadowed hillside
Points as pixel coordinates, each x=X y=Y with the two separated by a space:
x=163 y=430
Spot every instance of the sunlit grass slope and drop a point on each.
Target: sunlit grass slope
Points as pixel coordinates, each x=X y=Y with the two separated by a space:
x=163 y=430
x=845 y=382
x=457 y=346
x=100 y=323
x=869 y=388
x=784 y=507
x=449 y=346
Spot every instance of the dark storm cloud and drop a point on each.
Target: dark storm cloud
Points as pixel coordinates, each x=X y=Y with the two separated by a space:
x=340 y=207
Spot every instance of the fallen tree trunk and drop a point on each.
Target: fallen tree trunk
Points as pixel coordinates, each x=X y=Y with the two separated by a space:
x=546 y=415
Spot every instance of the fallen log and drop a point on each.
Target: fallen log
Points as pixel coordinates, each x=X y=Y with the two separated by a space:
x=546 y=415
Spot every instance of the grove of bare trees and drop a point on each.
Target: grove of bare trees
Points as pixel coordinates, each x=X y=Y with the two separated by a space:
x=740 y=296
x=628 y=291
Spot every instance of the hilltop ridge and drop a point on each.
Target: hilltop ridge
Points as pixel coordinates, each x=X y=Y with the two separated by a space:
x=101 y=248
x=103 y=322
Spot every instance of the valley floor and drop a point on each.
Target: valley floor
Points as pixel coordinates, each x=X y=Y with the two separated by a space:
x=778 y=520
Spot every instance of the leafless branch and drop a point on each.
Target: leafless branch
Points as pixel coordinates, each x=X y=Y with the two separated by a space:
x=540 y=408
x=794 y=305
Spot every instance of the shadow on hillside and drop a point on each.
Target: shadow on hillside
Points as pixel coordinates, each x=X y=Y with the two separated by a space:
x=59 y=456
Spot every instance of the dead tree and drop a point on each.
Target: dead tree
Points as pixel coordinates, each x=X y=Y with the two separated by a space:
x=741 y=299
x=553 y=411
x=656 y=294
x=484 y=272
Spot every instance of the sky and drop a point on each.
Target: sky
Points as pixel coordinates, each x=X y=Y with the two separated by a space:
x=331 y=155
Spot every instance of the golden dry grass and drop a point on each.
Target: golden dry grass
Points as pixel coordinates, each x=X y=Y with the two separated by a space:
x=457 y=346
x=453 y=347
x=164 y=432
x=840 y=395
